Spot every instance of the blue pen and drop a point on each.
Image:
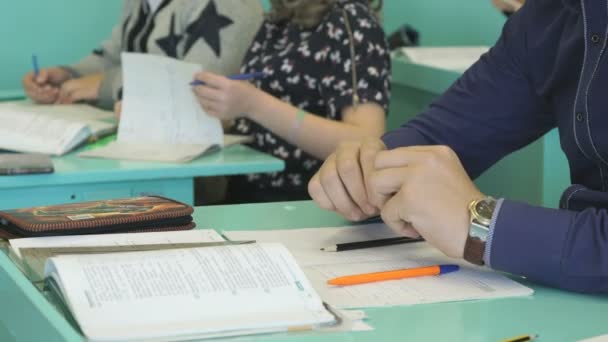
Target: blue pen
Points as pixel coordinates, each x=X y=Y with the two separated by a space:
x=35 y=64
x=241 y=77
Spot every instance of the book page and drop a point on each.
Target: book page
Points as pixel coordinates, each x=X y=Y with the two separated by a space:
x=125 y=239
x=159 y=106
x=33 y=264
x=456 y=58
x=37 y=133
x=186 y=293
x=471 y=282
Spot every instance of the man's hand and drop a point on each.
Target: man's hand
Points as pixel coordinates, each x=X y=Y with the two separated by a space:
x=425 y=187
x=44 y=88
x=340 y=184
x=80 y=89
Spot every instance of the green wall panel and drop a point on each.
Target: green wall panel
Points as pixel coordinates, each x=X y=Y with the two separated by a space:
x=59 y=32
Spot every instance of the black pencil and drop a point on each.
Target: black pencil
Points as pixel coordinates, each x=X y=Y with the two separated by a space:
x=369 y=244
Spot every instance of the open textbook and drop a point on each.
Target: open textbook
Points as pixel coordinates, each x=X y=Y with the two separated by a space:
x=51 y=129
x=30 y=254
x=183 y=294
x=470 y=282
x=456 y=58
x=161 y=119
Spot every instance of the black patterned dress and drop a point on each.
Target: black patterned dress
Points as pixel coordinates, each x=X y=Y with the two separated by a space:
x=311 y=69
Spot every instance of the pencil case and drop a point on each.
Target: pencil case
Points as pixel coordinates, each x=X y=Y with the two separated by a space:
x=141 y=214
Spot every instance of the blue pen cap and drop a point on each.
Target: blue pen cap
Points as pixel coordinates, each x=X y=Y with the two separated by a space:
x=448 y=268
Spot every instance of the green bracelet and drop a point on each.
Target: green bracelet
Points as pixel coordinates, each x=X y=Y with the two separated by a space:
x=297 y=123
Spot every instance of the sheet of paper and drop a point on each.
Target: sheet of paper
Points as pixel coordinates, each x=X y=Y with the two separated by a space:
x=187 y=293
x=469 y=283
x=450 y=58
x=34 y=265
x=159 y=105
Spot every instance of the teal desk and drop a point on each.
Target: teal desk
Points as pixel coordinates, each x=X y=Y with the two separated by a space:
x=86 y=179
x=555 y=315
x=537 y=174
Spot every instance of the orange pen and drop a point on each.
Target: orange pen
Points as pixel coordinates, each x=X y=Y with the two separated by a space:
x=393 y=275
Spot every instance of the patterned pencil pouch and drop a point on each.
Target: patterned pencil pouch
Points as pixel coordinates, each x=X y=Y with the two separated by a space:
x=141 y=214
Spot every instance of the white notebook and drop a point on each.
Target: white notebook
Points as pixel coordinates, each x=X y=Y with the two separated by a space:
x=455 y=58
x=51 y=129
x=161 y=119
x=185 y=294
x=470 y=282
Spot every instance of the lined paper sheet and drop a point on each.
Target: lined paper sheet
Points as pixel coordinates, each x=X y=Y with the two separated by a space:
x=161 y=119
x=159 y=105
x=470 y=282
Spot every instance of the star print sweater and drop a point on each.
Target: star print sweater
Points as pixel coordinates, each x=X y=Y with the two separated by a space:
x=213 y=33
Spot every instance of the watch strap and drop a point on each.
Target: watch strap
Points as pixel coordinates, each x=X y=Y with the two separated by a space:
x=474 y=249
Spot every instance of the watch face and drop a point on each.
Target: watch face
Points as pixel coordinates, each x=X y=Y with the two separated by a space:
x=485 y=208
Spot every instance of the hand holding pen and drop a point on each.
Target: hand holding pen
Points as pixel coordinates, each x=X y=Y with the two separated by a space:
x=42 y=84
x=227 y=98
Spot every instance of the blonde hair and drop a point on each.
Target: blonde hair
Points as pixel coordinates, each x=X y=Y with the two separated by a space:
x=308 y=13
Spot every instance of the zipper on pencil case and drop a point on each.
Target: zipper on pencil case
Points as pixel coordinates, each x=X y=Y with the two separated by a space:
x=120 y=227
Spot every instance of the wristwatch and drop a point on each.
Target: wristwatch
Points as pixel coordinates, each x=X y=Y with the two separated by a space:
x=481 y=211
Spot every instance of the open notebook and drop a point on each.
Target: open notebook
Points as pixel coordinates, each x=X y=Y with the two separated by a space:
x=161 y=119
x=184 y=294
x=51 y=129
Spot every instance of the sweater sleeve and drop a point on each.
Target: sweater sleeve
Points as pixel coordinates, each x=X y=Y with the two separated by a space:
x=106 y=60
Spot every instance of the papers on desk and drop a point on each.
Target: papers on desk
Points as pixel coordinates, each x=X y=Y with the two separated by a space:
x=469 y=283
x=457 y=58
x=161 y=119
x=51 y=129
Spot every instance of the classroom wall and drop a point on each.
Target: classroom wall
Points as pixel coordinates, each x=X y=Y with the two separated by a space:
x=59 y=32
x=63 y=31
x=446 y=22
